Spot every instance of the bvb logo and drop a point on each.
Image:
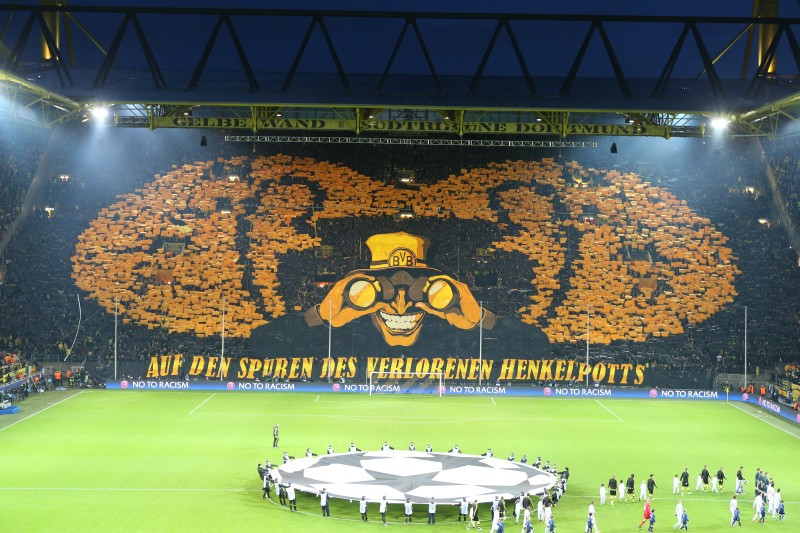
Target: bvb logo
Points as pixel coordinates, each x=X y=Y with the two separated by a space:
x=402 y=258
x=643 y=260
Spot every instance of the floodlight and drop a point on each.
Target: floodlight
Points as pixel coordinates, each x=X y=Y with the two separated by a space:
x=99 y=112
x=233 y=177
x=720 y=123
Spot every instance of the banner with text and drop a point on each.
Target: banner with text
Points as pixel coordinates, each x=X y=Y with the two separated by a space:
x=386 y=369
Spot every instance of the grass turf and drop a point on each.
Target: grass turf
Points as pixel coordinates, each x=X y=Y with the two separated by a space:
x=186 y=461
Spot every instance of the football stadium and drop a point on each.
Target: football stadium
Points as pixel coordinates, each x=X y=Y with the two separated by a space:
x=318 y=266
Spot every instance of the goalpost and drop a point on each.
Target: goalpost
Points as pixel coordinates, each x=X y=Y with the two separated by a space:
x=400 y=383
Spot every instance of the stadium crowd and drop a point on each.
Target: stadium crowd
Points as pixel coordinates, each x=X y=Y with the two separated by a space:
x=721 y=182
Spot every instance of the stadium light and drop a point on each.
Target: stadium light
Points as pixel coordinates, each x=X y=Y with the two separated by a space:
x=100 y=112
x=63 y=177
x=233 y=177
x=720 y=123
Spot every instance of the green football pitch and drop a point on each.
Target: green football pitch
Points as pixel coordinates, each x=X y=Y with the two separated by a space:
x=186 y=461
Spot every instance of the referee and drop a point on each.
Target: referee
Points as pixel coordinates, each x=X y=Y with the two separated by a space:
x=275 y=436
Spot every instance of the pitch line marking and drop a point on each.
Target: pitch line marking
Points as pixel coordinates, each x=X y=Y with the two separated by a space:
x=764 y=420
x=493 y=402
x=201 y=404
x=317 y=398
x=41 y=411
x=378 y=418
x=601 y=404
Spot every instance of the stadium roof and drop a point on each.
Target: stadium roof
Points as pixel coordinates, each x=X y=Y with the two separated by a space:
x=523 y=73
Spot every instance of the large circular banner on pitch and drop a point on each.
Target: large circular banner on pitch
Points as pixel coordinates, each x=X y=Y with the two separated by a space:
x=418 y=476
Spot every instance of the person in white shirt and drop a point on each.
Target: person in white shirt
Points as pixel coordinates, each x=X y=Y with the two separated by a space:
x=495 y=504
x=699 y=484
x=386 y=447
x=758 y=503
x=323 y=502
x=602 y=493
x=593 y=514
x=428 y=448
x=495 y=520
x=432 y=512
x=330 y=449
x=291 y=496
x=734 y=503
x=463 y=510
x=771 y=497
x=455 y=449
x=714 y=484
x=411 y=447
x=518 y=508
x=676 y=484
x=678 y=513
x=353 y=448
x=776 y=502
x=548 y=513
x=540 y=510
x=527 y=526
x=362 y=508
x=409 y=509
x=511 y=456
x=488 y=453
x=643 y=490
x=309 y=453
x=382 y=509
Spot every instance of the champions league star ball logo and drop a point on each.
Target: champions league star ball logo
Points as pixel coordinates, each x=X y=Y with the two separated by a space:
x=745 y=396
x=123 y=384
x=418 y=476
x=230 y=385
x=548 y=391
x=336 y=387
x=398 y=291
x=653 y=393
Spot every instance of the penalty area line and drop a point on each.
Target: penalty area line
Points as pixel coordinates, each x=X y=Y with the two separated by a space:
x=202 y=403
x=763 y=420
x=601 y=404
x=41 y=411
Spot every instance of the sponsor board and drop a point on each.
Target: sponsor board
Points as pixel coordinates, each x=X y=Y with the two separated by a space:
x=385 y=388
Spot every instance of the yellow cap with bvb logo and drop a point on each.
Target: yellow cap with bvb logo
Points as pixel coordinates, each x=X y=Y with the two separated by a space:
x=393 y=250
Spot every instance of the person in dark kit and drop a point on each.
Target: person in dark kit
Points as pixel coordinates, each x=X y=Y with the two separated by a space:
x=630 y=485
x=474 y=519
x=705 y=476
x=286 y=457
x=267 y=480
x=275 y=437
x=740 y=481
x=261 y=471
x=651 y=486
x=526 y=501
x=720 y=478
x=612 y=488
x=565 y=477
x=282 y=494
x=685 y=481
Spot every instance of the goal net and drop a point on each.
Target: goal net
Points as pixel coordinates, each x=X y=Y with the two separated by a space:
x=401 y=383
